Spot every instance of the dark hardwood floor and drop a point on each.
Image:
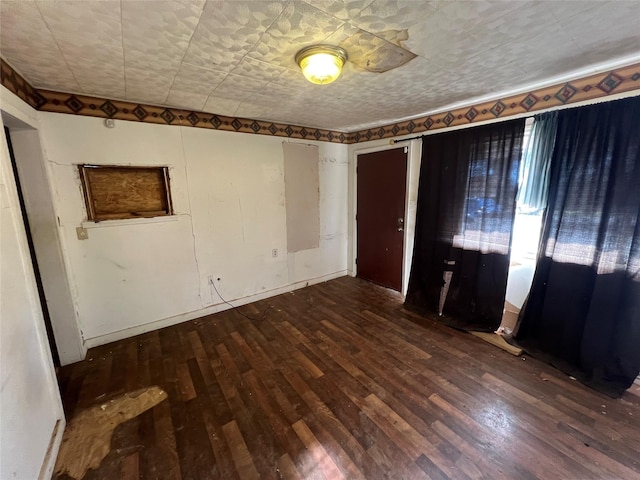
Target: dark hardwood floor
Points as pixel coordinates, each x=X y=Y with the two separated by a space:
x=339 y=381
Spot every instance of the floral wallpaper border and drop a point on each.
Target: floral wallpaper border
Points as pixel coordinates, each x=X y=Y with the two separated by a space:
x=620 y=80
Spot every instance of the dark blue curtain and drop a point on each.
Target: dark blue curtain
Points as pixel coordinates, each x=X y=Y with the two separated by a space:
x=464 y=219
x=583 y=311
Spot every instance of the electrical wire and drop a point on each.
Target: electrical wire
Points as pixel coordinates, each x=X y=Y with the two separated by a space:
x=213 y=283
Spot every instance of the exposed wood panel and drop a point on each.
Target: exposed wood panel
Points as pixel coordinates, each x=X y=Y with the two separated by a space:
x=338 y=380
x=125 y=192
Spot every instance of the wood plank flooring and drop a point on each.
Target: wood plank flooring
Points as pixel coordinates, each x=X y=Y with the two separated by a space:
x=338 y=380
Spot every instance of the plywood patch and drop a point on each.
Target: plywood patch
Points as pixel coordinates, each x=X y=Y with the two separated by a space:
x=498 y=341
x=113 y=192
x=87 y=438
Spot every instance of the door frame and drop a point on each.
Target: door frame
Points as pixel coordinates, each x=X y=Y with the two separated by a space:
x=23 y=123
x=46 y=316
x=413 y=173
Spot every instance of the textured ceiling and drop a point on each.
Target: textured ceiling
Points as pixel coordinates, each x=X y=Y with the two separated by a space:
x=236 y=57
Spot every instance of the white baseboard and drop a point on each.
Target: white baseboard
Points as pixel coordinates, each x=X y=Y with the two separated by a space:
x=49 y=462
x=183 y=317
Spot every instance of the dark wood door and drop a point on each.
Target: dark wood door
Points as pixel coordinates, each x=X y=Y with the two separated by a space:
x=380 y=216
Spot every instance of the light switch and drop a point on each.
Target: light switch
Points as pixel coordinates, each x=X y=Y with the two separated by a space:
x=82 y=233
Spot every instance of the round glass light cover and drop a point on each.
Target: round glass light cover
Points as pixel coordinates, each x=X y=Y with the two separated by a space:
x=321 y=68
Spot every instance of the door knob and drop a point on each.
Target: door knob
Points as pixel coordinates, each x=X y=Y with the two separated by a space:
x=400 y=224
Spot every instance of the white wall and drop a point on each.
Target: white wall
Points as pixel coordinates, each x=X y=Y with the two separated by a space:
x=30 y=403
x=136 y=275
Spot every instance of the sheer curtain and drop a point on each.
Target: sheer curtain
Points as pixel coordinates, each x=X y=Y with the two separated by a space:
x=466 y=206
x=583 y=310
x=534 y=173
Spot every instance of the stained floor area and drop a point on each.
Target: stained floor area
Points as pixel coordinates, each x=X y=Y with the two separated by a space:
x=338 y=380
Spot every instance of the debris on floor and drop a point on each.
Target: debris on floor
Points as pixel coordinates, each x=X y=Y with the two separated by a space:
x=87 y=437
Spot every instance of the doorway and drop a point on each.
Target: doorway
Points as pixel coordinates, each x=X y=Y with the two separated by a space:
x=32 y=252
x=380 y=217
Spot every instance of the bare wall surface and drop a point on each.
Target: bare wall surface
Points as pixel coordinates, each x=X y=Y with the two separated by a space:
x=228 y=193
x=29 y=400
x=302 y=196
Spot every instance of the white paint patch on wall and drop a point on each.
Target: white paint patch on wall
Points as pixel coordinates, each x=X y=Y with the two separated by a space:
x=302 y=196
x=229 y=196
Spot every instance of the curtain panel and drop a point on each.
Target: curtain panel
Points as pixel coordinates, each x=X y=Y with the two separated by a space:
x=534 y=172
x=464 y=220
x=583 y=310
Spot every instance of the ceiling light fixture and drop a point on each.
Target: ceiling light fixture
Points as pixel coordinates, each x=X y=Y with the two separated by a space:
x=321 y=64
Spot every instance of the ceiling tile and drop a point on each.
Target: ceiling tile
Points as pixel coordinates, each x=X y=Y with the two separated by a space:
x=299 y=25
x=415 y=73
x=252 y=68
x=157 y=38
x=147 y=86
x=518 y=23
x=285 y=86
x=250 y=110
x=28 y=44
x=189 y=100
x=228 y=30
x=388 y=15
x=93 y=49
x=197 y=80
x=621 y=38
x=47 y=74
x=237 y=87
x=267 y=98
x=221 y=106
x=467 y=16
x=371 y=53
x=342 y=9
x=343 y=32
x=95 y=23
x=237 y=57
x=100 y=72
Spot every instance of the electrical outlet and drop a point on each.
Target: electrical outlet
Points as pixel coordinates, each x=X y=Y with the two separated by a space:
x=82 y=233
x=274 y=253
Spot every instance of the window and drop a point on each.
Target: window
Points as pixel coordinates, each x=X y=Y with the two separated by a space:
x=113 y=192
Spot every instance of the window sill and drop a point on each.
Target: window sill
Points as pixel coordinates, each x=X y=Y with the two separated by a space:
x=130 y=221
